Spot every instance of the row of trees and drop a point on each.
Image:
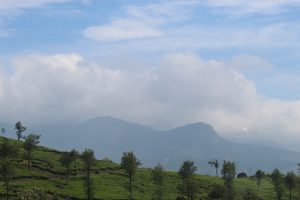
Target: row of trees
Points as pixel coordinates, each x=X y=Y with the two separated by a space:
x=9 y=152
x=129 y=162
x=280 y=182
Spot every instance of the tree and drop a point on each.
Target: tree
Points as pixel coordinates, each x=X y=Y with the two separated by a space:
x=66 y=161
x=74 y=156
x=130 y=164
x=89 y=160
x=7 y=172
x=228 y=174
x=290 y=181
x=20 y=129
x=30 y=144
x=7 y=153
x=187 y=173
x=277 y=179
x=215 y=164
x=158 y=179
x=259 y=175
x=7 y=150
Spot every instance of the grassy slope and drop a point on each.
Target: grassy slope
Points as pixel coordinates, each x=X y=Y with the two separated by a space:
x=110 y=181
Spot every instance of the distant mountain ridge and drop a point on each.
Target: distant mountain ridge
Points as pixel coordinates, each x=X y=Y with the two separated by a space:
x=199 y=142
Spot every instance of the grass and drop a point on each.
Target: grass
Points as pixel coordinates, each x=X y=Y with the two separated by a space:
x=110 y=180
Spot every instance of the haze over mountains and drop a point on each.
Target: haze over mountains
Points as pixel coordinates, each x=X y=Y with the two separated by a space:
x=109 y=137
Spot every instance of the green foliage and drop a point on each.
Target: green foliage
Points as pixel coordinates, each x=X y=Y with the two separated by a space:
x=180 y=198
x=7 y=171
x=33 y=194
x=89 y=160
x=66 y=160
x=249 y=194
x=290 y=181
x=215 y=164
x=217 y=192
x=7 y=150
x=7 y=166
x=19 y=130
x=109 y=179
x=228 y=174
x=89 y=187
x=259 y=175
x=130 y=164
x=187 y=174
x=30 y=144
x=158 y=178
x=75 y=155
x=278 y=183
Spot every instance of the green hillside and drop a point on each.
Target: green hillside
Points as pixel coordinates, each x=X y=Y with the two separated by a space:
x=110 y=180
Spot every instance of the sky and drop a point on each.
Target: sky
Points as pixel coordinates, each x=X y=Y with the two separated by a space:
x=231 y=63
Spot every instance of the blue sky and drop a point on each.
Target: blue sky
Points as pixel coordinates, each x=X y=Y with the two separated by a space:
x=160 y=63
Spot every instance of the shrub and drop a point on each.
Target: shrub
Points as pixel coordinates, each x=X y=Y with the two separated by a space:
x=249 y=194
x=217 y=192
x=242 y=175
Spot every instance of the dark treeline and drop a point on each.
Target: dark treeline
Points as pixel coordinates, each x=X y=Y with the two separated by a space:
x=188 y=186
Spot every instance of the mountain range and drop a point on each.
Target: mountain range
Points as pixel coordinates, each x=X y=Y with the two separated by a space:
x=110 y=137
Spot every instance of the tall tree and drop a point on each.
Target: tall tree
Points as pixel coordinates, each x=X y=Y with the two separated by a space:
x=74 y=156
x=30 y=144
x=290 y=181
x=66 y=161
x=19 y=130
x=187 y=173
x=259 y=176
x=215 y=164
x=158 y=179
x=7 y=152
x=228 y=172
x=277 y=179
x=89 y=160
x=130 y=163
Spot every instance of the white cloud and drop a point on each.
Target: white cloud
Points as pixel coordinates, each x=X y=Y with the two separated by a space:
x=250 y=65
x=139 y=22
x=182 y=89
x=253 y=6
x=15 y=5
x=193 y=38
x=122 y=29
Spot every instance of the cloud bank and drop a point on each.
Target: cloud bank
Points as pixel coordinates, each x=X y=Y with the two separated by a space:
x=184 y=88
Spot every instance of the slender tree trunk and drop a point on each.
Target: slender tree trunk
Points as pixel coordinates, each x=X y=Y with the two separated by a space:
x=290 y=193
x=130 y=186
x=29 y=161
x=217 y=171
x=88 y=184
x=7 y=190
x=28 y=164
x=188 y=191
x=67 y=176
x=75 y=169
